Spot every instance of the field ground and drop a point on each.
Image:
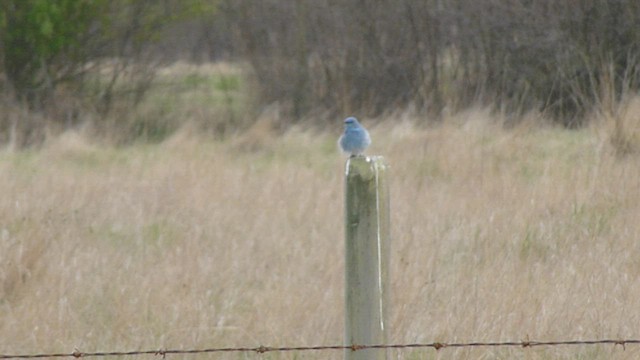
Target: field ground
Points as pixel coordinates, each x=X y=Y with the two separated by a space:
x=498 y=235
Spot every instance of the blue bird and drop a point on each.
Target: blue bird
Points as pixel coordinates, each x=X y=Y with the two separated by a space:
x=355 y=138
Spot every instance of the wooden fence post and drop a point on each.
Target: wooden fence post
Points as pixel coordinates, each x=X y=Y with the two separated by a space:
x=367 y=256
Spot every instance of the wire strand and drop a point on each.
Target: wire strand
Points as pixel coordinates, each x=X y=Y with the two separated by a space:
x=265 y=349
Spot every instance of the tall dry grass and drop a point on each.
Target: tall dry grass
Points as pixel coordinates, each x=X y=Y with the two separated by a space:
x=498 y=235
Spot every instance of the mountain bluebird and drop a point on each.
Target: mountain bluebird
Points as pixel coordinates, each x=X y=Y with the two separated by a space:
x=355 y=138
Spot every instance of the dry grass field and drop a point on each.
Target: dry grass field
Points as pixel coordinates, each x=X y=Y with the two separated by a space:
x=498 y=234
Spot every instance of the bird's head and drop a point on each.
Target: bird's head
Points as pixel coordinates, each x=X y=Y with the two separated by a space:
x=350 y=122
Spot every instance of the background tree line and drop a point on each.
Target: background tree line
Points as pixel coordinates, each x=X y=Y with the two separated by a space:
x=373 y=56
x=45 y=44
x=333 y=57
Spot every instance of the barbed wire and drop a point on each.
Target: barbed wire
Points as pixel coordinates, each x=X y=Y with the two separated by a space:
x=264 y=349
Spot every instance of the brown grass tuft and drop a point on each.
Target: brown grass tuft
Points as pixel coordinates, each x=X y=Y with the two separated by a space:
x=623 y=127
